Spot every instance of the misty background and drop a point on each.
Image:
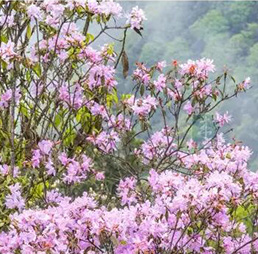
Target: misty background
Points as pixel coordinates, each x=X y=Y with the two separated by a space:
x=224 y=31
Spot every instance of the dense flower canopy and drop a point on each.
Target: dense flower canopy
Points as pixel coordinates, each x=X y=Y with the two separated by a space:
x=82 y=168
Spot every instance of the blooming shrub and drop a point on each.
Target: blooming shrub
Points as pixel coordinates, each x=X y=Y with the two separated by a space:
x=84 y=170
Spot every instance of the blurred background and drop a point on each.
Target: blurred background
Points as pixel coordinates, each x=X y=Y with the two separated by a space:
x=224 y=31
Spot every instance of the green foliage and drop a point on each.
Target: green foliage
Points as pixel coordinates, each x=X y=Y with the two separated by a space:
x=213 y=22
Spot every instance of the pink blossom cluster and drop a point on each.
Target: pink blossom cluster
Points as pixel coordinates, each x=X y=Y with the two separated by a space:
x=222 y=119
x=160 y=144
x=7 y=51
x=199 y=68
x=14 y=199
x=72 y=96
x=181 y=213
x=136 y=18
x=51 y=11
x=73 y=170
x=105 y=141
x=6 y=98
x=141 y=74
x=142 y=106
x=76 y=170
x=101 y=75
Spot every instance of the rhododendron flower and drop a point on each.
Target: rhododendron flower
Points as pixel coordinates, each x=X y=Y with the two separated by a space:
x=63 y=93
x=97 y=109
x=178 y=84
x=161 y=65
x=110 y=8
x=160 y=84
x=142 y=74
x=142 y=107
x=100 y=73
x=34 y=11
x=54 y=196
x=222 y=119
x=35 y=160
x=119 y=122
x=7 y=51
x=191 y=144
x=105 y=141
x=189 y=108
x=6 y=170
x=199 y=68
x=15 y=200
x=50 y=168
x=6 y=98
x=247 y=83
x=76 y=171
x=45 y=146
x=157 y=146
x=63 y=158
x=90 y=54
x=126 y=189
x=136 y=18
x=100 y=176
x=7 y=20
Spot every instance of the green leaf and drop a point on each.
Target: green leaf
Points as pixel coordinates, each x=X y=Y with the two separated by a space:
x=4 y=38
x=142 y=89
x=24 y=110
x=58 y=120
x=28 y=32
x=89 y=37
x=37 y=69
x=28 y=78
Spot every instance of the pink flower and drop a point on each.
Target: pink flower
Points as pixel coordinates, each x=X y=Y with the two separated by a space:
x=7 y=51
x=15 y=200
x=34 y=11
x=189 y=108
x=161 y=65
x=199 y=68
x=102 y=75
x=126 y=189
x=63 y=159
x=36 y=158
x=222 y=119
x=100 y=176
x=45 y=146
x=191 y=144
x=142 y=107
x=97 y=109
x=6 y=98
x=63 y=55
x=247 y=83
x=105 y=141
x=160 y=84
x=4 y=169
x=110 y=8
x=54 y=196
x=136 y=18
x=50 y=168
